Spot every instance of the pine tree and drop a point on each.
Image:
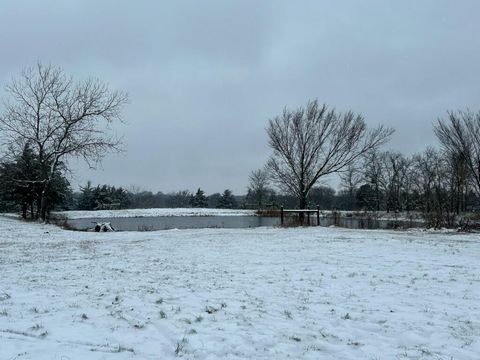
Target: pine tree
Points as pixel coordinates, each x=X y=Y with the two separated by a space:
x=227 y=200
x=19 y=182
x=22 y=180
x=199 y=200
x=94 y=198
x=27 y=180
x=86 y=200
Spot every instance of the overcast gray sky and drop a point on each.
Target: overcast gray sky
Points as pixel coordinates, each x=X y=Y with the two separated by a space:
x=204 y=77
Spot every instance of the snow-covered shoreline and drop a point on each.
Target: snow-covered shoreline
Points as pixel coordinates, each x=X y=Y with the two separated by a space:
x=78 y=214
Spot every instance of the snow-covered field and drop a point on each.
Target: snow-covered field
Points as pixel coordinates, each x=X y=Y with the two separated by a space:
x=264 y=293
x=152 y=212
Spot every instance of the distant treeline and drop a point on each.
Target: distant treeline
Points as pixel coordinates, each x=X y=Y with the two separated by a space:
x=385 y=181
x=440 y=183
x=430 y=183
x=106 y=196
x=439 y=187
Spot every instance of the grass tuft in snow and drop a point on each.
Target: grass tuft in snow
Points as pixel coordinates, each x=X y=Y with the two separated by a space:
x=313 y=348
x=210 y=309
x=120 y=348
x=180 y=346
x=353 y=343
x=36 y=327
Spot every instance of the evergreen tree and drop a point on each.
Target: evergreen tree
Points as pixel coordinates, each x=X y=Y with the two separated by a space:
x=103 y=196
x=86 y=200
x=366 y=198
x=227 y=200
x=21 y=181
x=7 y=185
x=59 y=194
x=21 y=185
x=199 y=200
x=214 y=200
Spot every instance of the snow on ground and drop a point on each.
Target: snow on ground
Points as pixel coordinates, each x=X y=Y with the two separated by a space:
x=152 y=212
x=265 y=293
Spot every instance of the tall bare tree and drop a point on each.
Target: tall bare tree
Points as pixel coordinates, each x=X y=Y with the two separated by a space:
x=431 y=179
x=393 y=178
x=60 y=118
x=460 y=181
x=259 y=187
x=351 y=178
x=373 y=167
x=312 y=142
x=459 y=135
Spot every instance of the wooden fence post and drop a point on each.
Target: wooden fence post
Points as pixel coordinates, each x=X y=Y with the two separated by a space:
x=318 y=215
x=281 y=215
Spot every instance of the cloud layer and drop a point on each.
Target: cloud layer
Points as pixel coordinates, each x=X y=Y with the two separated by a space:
x=204 y=77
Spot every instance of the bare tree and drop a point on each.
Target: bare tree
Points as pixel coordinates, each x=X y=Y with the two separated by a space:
x=459 y=135
x=407 y=200
x=351 y=179
x=460 y=181
x=312 y=142
x=60 y=118
x=259 y=186
x=393 y=179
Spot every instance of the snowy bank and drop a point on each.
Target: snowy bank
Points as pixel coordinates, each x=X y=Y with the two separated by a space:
x=151 y=213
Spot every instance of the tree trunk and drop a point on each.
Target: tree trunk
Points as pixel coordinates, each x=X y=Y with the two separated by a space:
x=302 y=201
x=24 y=210
x=39 y=203
x=302 y=204
x=44 y=202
